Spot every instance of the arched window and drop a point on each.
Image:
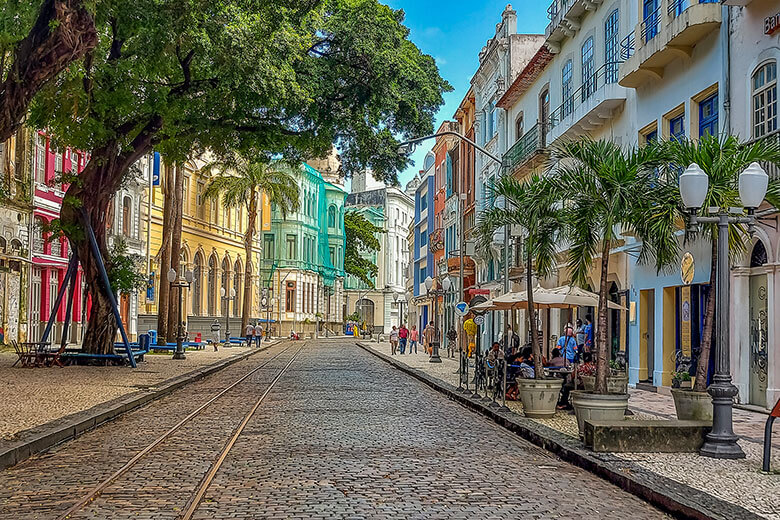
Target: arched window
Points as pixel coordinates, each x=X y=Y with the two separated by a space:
x=225 y=285
x=212 y=287
x=197 y=284
x=588 y=78
x=611 y=58
x=764 y=87
x=127 y=222
x=519 y=127
x=237 y=274
x=3 y=245
x=568 y=100
x=758 y=256
x=332 y=217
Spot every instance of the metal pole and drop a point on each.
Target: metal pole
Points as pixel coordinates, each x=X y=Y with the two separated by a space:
x=179 y=353
x=768 y=443
x=721 y=442
x=436 y=337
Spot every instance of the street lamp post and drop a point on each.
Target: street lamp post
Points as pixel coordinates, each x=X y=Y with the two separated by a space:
x=445 y=287
x=268 y=325
x=226 y=299
x=181 y=282
x=721 y=442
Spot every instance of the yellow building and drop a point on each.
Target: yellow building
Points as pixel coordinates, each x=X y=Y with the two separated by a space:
x=212 y=248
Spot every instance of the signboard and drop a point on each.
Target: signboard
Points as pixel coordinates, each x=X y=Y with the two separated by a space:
x=685 y=321
x=476 y=300
x=150 y=288
x=687 y=268
x=772 y=24
x=461 y=309
x=264 y=302
x=156 y=169
x=479 y=320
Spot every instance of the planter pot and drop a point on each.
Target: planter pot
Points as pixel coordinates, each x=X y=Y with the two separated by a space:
x=539 y=396
x=598 y=407
x=692 y=406
x=616 y=384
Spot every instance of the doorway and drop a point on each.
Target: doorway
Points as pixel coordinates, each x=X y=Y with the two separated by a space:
x=544 y=115
x=646 y=335
x=759 y=355
x=35 y=305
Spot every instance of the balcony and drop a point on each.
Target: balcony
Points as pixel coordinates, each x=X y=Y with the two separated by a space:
x=588 y=107
x=668 y=33
x=436 y=240
x=453 y=266
x=564 y=16
x=527 y=152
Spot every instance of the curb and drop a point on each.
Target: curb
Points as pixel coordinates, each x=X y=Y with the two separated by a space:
x=678 y=499
x=45 y=436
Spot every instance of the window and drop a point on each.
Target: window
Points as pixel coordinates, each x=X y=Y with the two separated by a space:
x=197 y=281
x=491 y=121
x=289 y=303
x=40 y=158
x=765 y=99
x=126 y=218
x=423 y=238
x=423 y=203
x=519 y=127
x=292 y=247
x=268 y=246
x=423 y=274
x=568 y=100
x=185 y=193
x=56 y=247
x=212 y=287
x=677 y=127
x=611 y=58
x=651 y=136
x=38 y=236
x=200 y=201
x=237 y=273
x=588 y=79
x=448 y=168
x=651 y=16
x=332 y=217
x=332 y=255
x=708 y=116
x=57 y=163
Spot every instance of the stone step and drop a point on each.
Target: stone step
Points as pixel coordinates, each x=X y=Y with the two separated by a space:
x=640 y=436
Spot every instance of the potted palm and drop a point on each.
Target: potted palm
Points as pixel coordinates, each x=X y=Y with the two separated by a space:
x=606 y=191
x=532 y=206
x=723 y=159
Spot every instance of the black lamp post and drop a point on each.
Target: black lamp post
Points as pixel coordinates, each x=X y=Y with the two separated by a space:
x=721 y=442
x=181 y=282
x=445 y=287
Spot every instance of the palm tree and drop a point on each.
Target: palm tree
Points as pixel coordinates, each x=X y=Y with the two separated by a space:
x=607 y=190
x=240 y=183
x=532 y=205
x=723 y=159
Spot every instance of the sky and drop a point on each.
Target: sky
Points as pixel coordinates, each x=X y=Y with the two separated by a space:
x=453 y=32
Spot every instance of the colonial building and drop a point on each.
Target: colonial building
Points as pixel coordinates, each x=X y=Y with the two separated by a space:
x=422 y=256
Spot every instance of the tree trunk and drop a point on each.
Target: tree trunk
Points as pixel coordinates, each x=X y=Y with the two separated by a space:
x=176 y=216
x=63 y=32
x=531 y=310
x=703 y=363
x=246 y=308
x=163 y=302
x=602 y=363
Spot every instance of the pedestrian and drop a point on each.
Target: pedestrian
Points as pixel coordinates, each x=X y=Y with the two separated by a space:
x=568 y=345
x=393 y=340
x=429 y=336
x=588 y=331
x=403 y=335
x=258 y=332
x=579 y=335
x=215 y=334
x=452 y=340
x=249 y=332
x=413 y=338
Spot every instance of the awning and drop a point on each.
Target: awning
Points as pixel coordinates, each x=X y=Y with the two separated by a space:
x=563 y=297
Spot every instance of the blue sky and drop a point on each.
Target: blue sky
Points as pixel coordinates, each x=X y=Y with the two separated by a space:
x=453 y=32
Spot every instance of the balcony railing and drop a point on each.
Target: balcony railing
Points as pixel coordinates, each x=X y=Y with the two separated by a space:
x=529 y=144
x=604 y=75
x=650 y=25
x=627 y=46
x=676 y=7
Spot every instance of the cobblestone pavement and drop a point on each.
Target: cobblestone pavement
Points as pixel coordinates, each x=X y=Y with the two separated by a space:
x=341 y=435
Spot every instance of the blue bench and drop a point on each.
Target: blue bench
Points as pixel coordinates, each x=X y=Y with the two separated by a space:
x=186 y=344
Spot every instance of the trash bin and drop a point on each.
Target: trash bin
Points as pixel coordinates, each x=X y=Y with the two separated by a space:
x=143 y=341
x=152 y=337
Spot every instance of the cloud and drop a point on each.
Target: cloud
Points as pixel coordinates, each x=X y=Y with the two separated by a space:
x=432 y=32
x=440 y=61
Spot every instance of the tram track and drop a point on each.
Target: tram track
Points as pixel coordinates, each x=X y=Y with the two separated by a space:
x=95 y=493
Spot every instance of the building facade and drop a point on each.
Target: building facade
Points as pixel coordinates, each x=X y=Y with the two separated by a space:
x=422 y=257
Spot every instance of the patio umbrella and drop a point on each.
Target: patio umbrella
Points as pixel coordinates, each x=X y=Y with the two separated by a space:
x=566 y=296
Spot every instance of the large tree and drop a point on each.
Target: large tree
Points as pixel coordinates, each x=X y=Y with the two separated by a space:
x=242 y=183
x=360 y=239
x=287 y=77
x=38 y=39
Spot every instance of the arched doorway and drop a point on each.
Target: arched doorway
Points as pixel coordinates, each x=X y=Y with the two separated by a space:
x=225 y=285
x=211 y=286
x=197 y=285
x=238 y=272
x=365 y=308
x=759 y=327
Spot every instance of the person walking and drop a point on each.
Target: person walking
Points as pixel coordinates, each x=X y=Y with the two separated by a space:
x=413 y=338
x=258 y=332
x=403 y=334
x=579 y=335
x=249 y=332
x=215 y=334
x=429 y=336
x=393 y=340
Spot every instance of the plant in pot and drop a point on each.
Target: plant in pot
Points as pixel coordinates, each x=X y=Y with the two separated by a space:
x=617 y=379
x=723 y=159
x=532 y=205
x=605 y=191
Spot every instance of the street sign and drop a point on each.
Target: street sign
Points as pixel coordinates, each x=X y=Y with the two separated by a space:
x=264 y=302
x=461 y=309
x=156 y=169
x=476 y=300
x=479 y=320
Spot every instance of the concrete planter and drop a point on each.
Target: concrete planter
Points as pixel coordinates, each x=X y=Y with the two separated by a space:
x=616 y=384
x=692 y=406
x=539 y=396
x=598 y=407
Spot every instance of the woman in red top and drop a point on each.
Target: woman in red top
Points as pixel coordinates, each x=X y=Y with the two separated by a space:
x=413 y=338
x=403 y=333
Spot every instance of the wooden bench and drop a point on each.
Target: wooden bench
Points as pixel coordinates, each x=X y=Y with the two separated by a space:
x=638 y=436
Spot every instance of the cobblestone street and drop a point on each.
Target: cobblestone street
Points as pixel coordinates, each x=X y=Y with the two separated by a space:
x=341 y=435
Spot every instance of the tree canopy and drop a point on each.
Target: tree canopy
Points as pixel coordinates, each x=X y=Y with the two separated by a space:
x=361 y=239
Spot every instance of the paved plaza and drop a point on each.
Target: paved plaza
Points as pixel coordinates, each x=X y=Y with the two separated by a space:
x=341 y=435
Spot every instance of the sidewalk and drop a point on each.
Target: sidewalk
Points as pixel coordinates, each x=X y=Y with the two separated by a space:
x=63 y=391
x=738 y=482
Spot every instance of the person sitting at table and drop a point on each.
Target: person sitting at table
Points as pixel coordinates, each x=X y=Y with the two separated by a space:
x=557 y=360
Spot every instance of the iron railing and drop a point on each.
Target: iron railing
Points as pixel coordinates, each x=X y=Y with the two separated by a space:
x=531 y=143
x=650 y=25
x=627 y=46
x=604 y=75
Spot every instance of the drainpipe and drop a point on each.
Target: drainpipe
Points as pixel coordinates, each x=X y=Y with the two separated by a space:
x=725 y=55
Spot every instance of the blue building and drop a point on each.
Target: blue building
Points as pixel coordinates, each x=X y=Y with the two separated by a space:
x=422 y=257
